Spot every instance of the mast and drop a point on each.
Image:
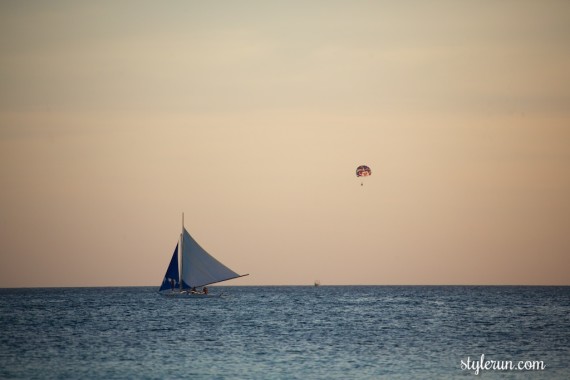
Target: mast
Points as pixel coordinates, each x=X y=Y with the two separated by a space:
x=181 y=263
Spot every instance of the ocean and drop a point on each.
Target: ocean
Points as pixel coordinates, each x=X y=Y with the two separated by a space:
x=287 y=332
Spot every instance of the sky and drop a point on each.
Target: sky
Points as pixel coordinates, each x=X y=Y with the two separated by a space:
x=251 y=118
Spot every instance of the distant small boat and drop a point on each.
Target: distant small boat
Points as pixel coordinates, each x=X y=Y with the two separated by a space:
x=317 y=283
x=197 y=269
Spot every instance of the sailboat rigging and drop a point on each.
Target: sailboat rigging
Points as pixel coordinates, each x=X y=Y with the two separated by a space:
x=197 y=268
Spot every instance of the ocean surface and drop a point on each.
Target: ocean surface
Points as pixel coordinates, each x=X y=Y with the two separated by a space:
x=290 y=332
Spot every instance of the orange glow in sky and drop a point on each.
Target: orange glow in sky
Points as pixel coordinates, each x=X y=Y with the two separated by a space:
x=252 y=117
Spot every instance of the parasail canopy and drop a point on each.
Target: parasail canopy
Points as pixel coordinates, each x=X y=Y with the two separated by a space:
x=363 y=171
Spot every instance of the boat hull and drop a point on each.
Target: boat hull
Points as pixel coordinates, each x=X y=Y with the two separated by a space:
x=189 y=295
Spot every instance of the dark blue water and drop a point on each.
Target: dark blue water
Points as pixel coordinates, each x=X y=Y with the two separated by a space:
x=345 y=332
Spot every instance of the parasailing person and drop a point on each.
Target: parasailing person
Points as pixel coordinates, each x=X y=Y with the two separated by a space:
x=363 y=171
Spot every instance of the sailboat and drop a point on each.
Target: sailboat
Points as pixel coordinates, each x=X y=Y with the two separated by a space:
x=197 y=269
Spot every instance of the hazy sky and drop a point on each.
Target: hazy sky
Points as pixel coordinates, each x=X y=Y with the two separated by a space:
x=252 y=116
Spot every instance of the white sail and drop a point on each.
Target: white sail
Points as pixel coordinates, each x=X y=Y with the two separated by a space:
x=199 y=268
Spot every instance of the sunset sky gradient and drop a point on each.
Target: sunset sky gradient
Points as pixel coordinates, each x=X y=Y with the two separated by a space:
x=251 y=118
